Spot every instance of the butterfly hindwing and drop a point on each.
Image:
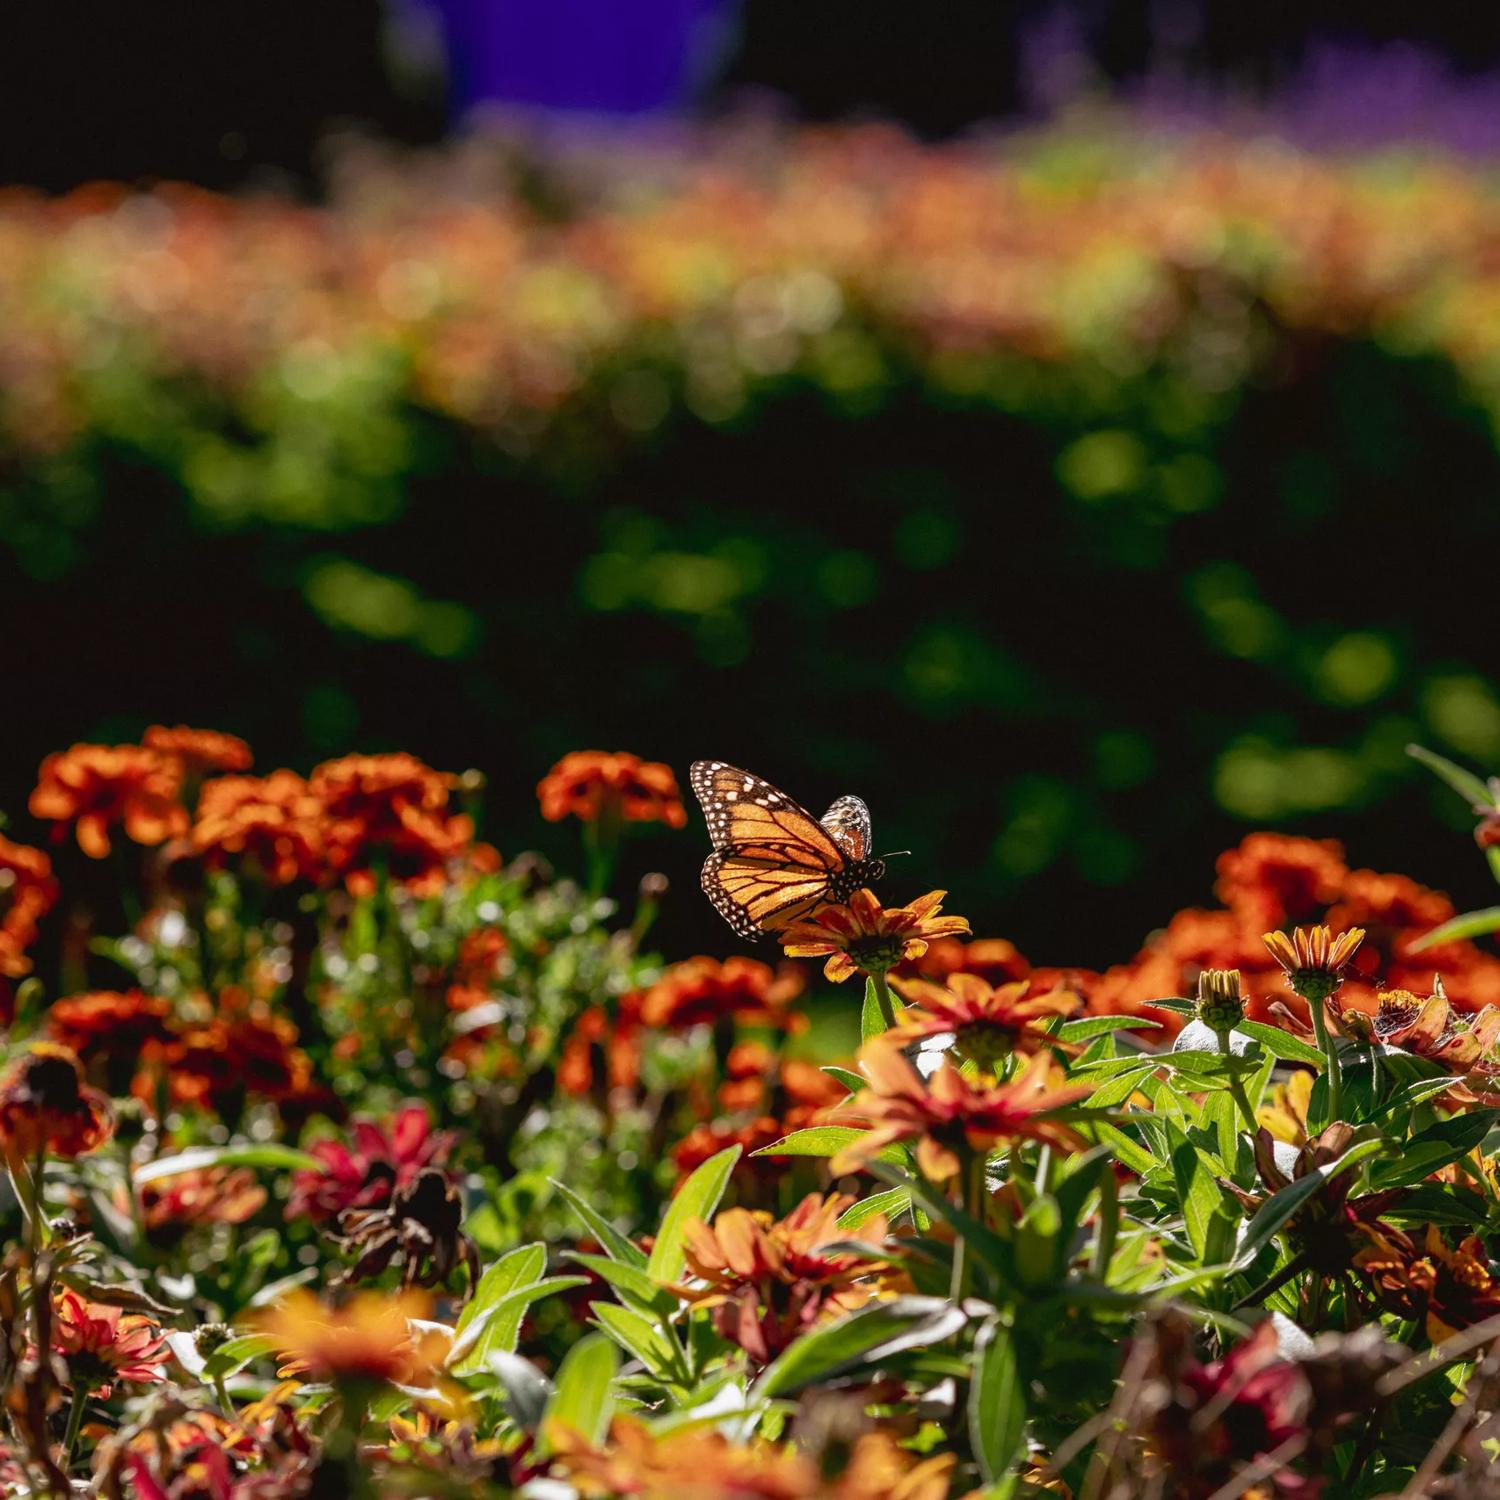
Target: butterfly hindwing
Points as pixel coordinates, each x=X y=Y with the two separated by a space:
x=848 y=824
x=756 y=897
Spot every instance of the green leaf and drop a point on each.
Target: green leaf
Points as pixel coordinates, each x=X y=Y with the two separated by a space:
x=1197 y=1193
x=865 y=1337
x=234 y=1354
x=526 y=1389
x=615 y=1245
x=1131 y=1153
x=500 y=1330
x=871 y=1022
x=1434 y=1147
x=1276 y=1210
x=635 y=1287
x=1465 y=783
x=1174 y=1003
x=1090 y=1026
x=640 y=1338
x=851 y=1080
x=997 y=1402
x=268 y=1154
x=520 y=1267
x=1470 y=924
x=825 y=1140
x=1283 y=1044
x=583 y=1403
x=892 y=1203
x=1118 y=1089
x=697 y=1199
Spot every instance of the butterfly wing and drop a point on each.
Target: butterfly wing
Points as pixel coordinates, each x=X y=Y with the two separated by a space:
x=772 y=860
x=848 y=824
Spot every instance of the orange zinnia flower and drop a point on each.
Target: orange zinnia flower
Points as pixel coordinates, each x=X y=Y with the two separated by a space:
x=592 y=785
x=253 y=1052
x=947 y=1111
x=865 y=936
x=370 y=1337
x=27 y=893
x=199 y=750
x=274 y=823
x=1428 y=1026
x=1272 y=879
x=1447 y=1289
x=96 y=787
x=111 y=1023
x=206 y=1195
x=390 y=813
x=1312 y=958
x=45 y=1106
x=102 y=1344
x=987 y=1024
x=702 y=991
x=767 y=1280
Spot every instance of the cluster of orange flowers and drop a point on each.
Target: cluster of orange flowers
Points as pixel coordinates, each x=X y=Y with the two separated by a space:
x=598 y=786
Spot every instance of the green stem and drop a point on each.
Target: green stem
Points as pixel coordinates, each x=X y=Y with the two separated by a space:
x=1109 y=1223
x=1237 y=1092
x=972 y=1178
x=75 y=1422
x=883 y=998
x=1329 y=1044
x=222 y=1392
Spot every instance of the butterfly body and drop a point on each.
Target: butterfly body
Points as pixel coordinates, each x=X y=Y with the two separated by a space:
x=772 y=861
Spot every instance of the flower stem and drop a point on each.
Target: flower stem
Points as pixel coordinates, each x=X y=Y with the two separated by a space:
x=75 y=1423
x=1329 y=1045
x=1237 y=1092
x=883 y=998
x=972 y=1178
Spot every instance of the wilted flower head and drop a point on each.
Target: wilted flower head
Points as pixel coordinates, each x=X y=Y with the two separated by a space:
x=368 y=1338
x=866 y=936
x=948 y=1113
x=380 y=1157
x=421 y=1226
x=1428 y=1026
x=102 y=1344
x=593 y=785
x=769 y=1280
x=987 y=1024
x=702 y=991
x=99 y=787
x=271 y=824
x=1446 y=1288
x=199 y=750
x=45 y=1106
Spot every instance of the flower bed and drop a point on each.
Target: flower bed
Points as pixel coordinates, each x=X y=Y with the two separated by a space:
x=351 y=1157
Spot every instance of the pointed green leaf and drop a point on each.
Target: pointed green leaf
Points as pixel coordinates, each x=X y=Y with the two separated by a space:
x=1283 y=1044
x=697 y=1199
x=640 y=1338
x=500 y=1328
x=267 y=1154
x=1465 y=783
x=824 y=1140
x=997 y=1402
x=583 y=1402
x=614 y=1244
x=635 y=1287
x=1470 y=924
x=892 y=1203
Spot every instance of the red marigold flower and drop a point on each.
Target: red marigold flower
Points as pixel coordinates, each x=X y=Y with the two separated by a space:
x=948 y=1112
x=102 y=1344
x=217 y=1064
x=391 y=813
x=1447 y=1288
x=987 y=1024
x=370 y=1338
x=205 y=1195
x=865 y=936
x=273 y=823
x=769 y=1280
x=96 y=787
x=45 y=1106
x=27 y=893
x=199 y=750
x=593 y=785
x=1272 y=880
x=108 y=1024
x=383 y=1157
x=703 y=991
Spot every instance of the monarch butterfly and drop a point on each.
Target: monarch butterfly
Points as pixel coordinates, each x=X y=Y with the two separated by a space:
x=772 y=861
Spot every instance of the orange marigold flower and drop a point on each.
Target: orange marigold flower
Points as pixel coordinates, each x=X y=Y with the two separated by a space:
x=109 y=1024
x=45 y=1106
x=273 y=823
x=948 y=1112
x=865 y=936
x=1272 y=879
x=1447 y=1288
x=27 y=893
x=102 y=1344
x=994 y=960
x=987 y=1024
x=703 y=991
x=593 y=785
x=368 y=1338
x=199 y=750
x=768 y=1280
x=215 y=1065
x=389 y=812
x=205 y=1195
x=96 y=787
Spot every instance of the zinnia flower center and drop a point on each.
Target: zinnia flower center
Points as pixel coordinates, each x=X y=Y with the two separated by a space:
x=876 y=953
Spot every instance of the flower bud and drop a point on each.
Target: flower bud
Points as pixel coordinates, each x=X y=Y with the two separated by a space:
x=1221 y=1006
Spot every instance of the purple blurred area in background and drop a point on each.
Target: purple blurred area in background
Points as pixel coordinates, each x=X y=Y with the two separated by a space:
x=625 y=57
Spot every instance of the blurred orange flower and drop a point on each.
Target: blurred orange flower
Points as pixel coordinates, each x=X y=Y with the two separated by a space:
x=27 y=893
x=103 y=1344
x=110 y=1024
x=239 y=1052
x=865 y=936
x=703 y=991
x=368 y=1338
x=97 y=787
x=199 y=750
x=594 y=784
x=205 y=1195
x=45 y=1106
x=274 y=823
x=1273 y=880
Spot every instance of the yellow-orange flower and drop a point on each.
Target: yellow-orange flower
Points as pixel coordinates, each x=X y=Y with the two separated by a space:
x=274 y=823
x=1314 y=952
x=45 y=1106
x=97 y=787
x=369 y=1337
x=1447 y=1288
x=865 y=936
x=701 y=991
x=948 y=1113
x=987 y=1023
x=199 y=750
x=238 y=1052
x=593 y=784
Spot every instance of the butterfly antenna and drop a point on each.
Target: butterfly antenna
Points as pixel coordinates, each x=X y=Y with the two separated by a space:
x=893 y=853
